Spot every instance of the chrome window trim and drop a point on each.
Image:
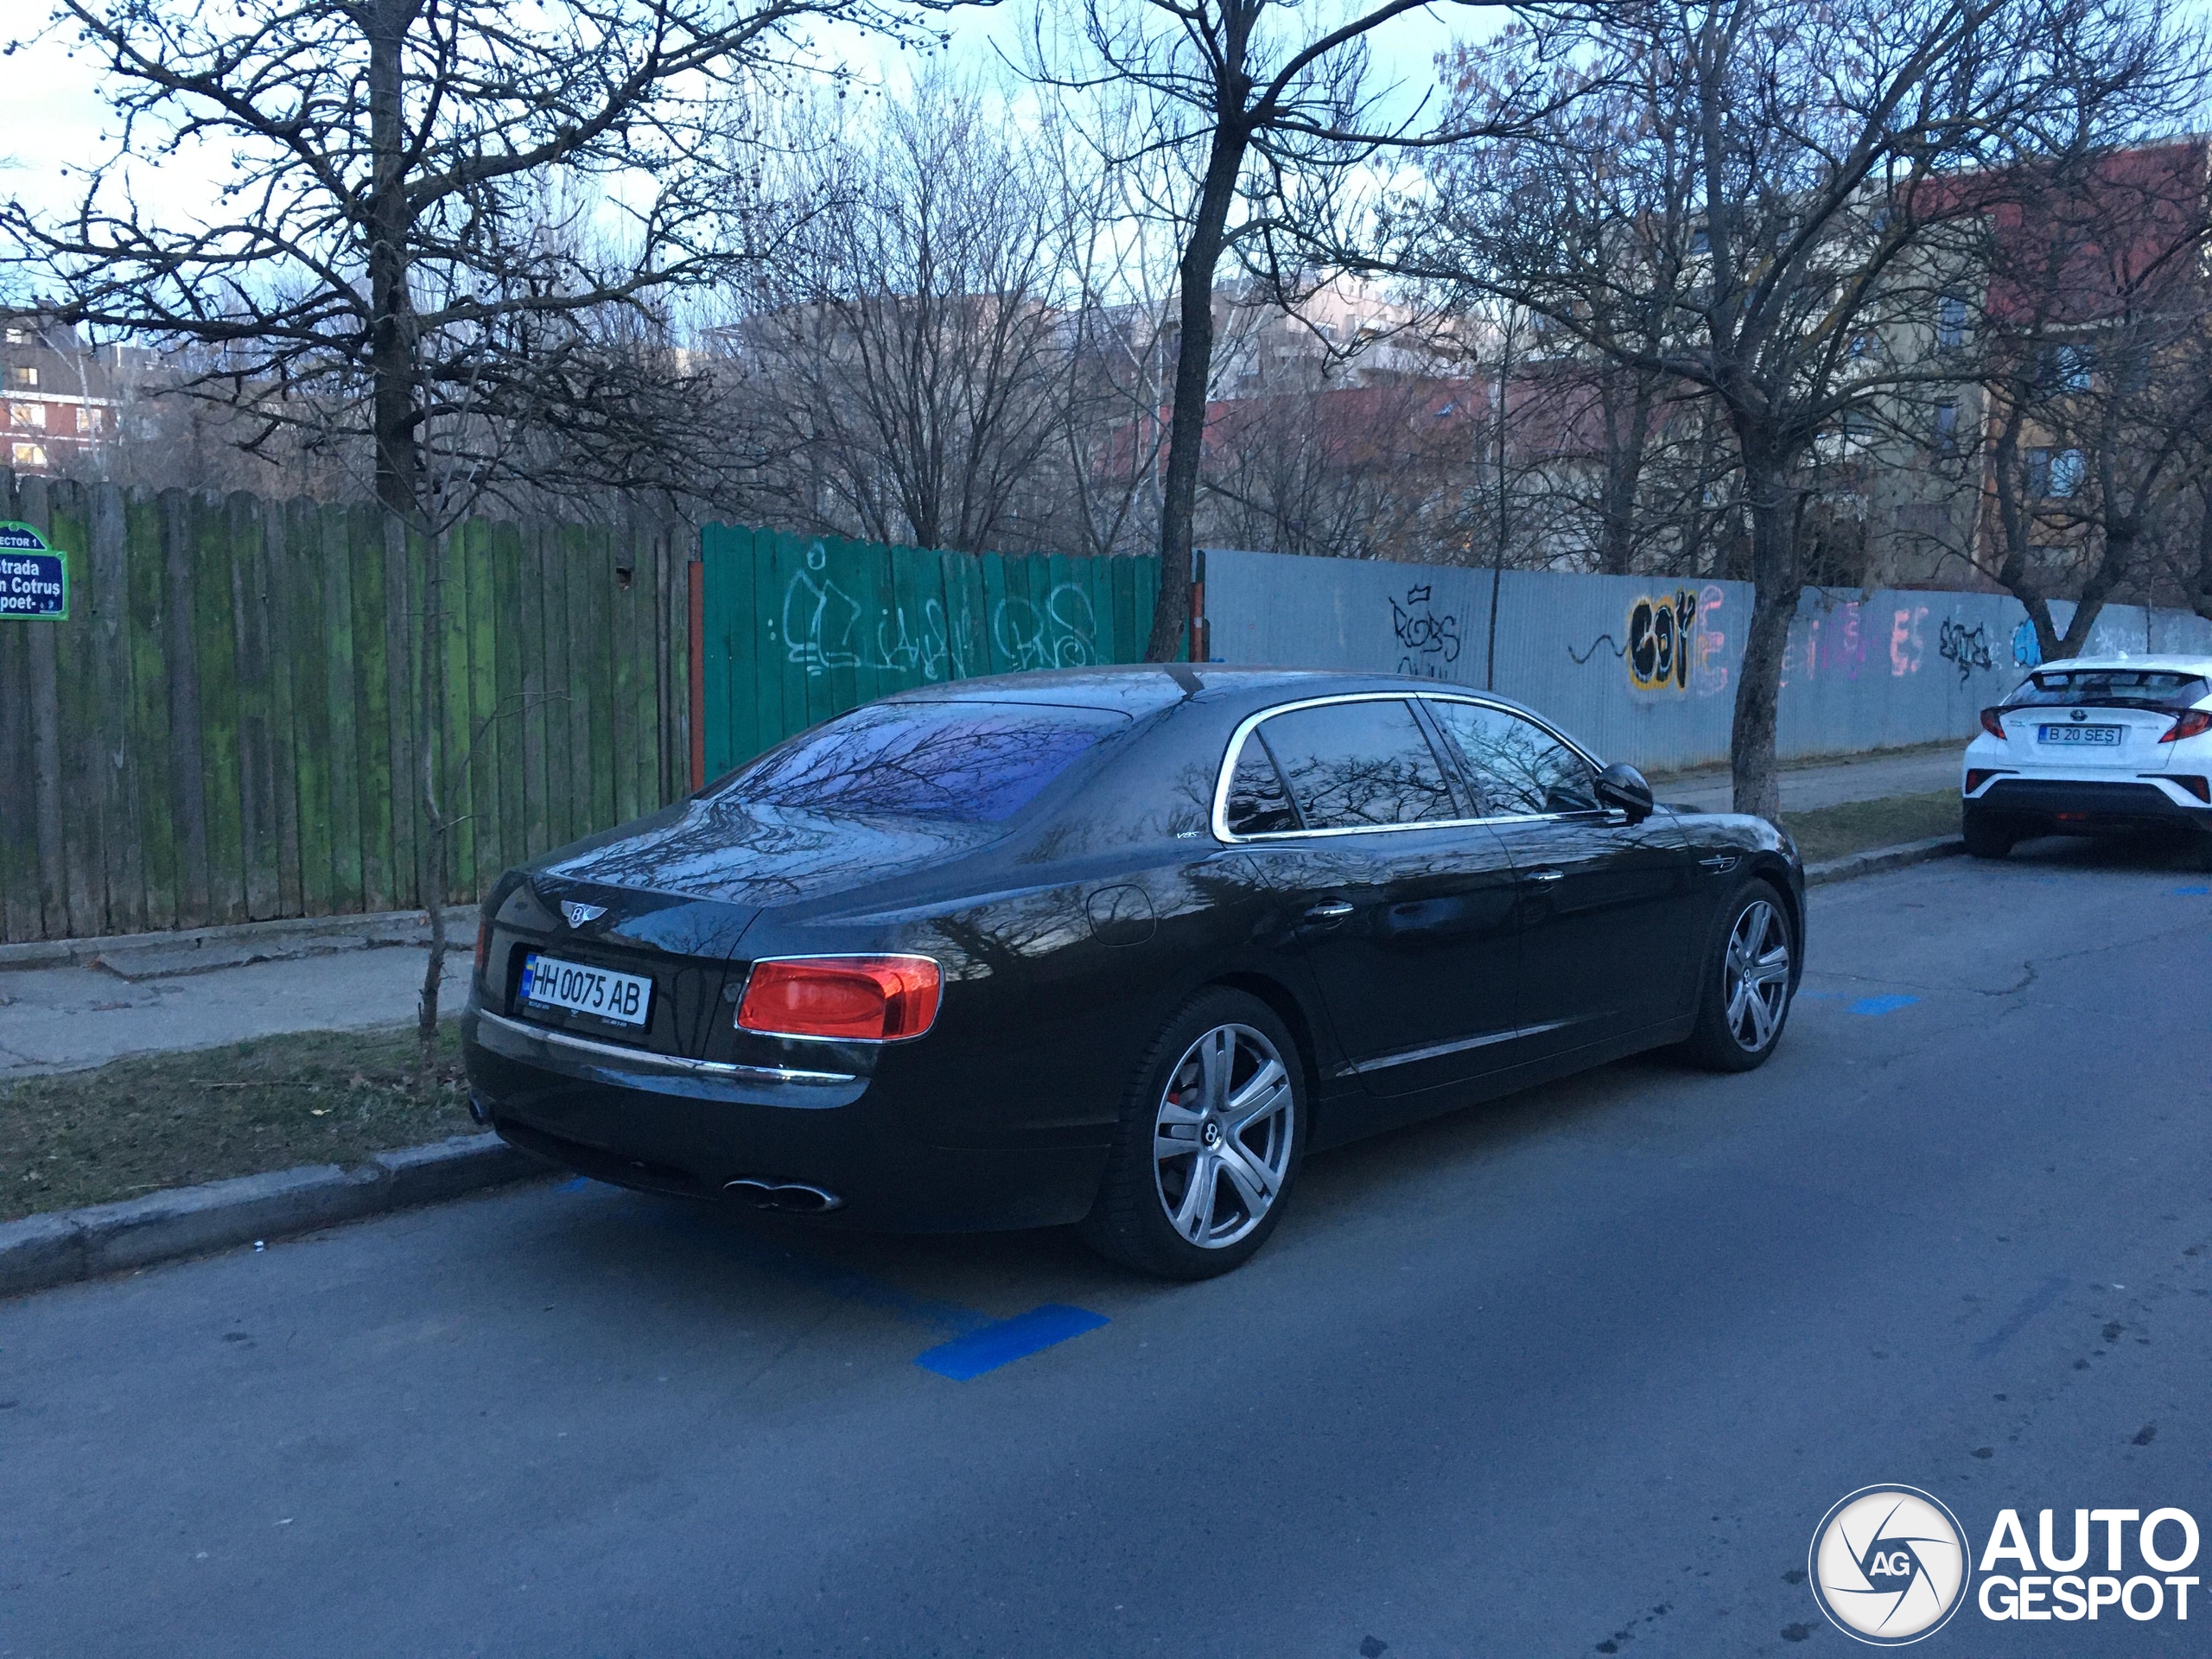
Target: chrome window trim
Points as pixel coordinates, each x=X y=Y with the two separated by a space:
x=1250 y=723
x=647 y=1060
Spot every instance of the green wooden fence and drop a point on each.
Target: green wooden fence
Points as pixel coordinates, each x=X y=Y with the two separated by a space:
x=223 y=729
x=797 y=628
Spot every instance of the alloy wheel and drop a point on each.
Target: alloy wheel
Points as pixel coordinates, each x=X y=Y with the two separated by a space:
x=1755 y=976
x=1222 y=1137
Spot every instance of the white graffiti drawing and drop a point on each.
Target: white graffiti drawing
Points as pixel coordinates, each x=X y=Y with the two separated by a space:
x=1063 y=635
x=823 y=629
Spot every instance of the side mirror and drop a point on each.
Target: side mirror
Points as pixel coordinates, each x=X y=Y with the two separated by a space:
x=1622 y=787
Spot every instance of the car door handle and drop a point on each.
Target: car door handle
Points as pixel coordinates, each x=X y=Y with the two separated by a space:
x=1329 y=910
x=1547 y=875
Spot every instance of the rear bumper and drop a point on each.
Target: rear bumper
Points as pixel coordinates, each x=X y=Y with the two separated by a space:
x=690 y=1128
x=2086 y=806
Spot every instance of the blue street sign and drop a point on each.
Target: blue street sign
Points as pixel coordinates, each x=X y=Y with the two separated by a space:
x=34 y=578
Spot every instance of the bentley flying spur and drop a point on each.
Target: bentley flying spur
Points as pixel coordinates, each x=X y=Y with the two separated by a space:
x=1116 y=947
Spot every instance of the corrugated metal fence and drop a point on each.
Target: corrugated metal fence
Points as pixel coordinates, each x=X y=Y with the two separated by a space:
x=222 y=730
x=1643 y=669
x=797 y=628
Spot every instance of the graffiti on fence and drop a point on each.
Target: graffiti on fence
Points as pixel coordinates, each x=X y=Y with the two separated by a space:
x=2027 y=645
x=1968 y=647
x=1428 y=642
x=1708 y=666
x=824 y=628
x=1662 y=638
x=1063 y=634
x=1829 y=642
x=1907 y=648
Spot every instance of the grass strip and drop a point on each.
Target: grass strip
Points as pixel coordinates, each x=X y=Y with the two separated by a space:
x=135 y=1125
x=1860 y=826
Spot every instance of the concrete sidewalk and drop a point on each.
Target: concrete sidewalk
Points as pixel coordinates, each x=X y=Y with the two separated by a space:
x=1810 y=785
x=95 y=1001
x=65 y=1019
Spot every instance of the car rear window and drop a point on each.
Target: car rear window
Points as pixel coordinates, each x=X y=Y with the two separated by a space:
x=2152 y=687
x=948 y=762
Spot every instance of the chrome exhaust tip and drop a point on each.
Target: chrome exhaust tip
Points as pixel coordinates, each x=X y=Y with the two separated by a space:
x=791 y=1197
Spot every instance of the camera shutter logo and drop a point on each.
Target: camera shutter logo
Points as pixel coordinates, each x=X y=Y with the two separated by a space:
x=1888 y=1564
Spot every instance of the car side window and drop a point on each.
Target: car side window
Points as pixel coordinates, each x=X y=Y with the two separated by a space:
x=1517 y=767
x=1354 y=764
x=1258 y=805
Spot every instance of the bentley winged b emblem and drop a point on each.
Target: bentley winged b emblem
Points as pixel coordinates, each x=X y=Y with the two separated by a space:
x=579 y=914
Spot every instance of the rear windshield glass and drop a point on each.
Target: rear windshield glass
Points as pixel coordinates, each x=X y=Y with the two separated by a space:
x=949 y=762
x=2151 y=687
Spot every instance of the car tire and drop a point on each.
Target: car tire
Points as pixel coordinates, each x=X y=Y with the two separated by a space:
x=1733 y=1037
x=1191 y=1216
x=1985 y=836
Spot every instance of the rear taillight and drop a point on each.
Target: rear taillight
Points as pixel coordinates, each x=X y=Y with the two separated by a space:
x=2192 y=723
x=1991 y=724
x=1977 y=776
x=483 y=943
x=2196 y=786
x=854 y=999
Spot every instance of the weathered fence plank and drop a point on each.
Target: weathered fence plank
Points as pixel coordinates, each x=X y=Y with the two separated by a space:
x=224 y=728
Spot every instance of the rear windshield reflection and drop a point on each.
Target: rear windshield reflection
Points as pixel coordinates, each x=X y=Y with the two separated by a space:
x=948 y=763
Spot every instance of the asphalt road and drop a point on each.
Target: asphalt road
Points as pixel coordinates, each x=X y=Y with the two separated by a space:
x=1584 y=1367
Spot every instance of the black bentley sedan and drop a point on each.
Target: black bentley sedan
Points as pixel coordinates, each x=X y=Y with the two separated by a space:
x=1113 y=946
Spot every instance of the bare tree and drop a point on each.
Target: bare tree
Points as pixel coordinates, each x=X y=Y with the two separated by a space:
x=381 y=266
x=2093 y=347
x=1763 y=188
x=909 y=343
x=1254 y=101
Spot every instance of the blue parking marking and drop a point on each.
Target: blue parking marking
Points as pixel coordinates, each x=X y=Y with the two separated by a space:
x=1881 y=1004
x=2188 y=892
x=970 y=1356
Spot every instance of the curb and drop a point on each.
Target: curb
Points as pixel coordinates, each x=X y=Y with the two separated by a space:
x=1877 y=858
x=199 y=950
x=40 y=1252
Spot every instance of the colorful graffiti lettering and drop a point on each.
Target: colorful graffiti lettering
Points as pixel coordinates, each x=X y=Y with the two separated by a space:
x=2027 y=645
x=1966 y=646
x=1660 y=636
x=1709 y=674
x=1427 y=640
x=1906 y=646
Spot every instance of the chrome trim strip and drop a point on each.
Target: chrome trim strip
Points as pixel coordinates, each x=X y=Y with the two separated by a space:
x=1437 y=1051
x=640 y=1058
x=1244 y=729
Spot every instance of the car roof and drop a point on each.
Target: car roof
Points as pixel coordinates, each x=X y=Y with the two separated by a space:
x=1142 y=688
x=2198 y=665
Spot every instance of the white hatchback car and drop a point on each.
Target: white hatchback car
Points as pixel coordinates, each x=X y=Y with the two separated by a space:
x=2095 y=746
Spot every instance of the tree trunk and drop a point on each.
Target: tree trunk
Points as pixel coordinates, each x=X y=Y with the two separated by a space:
x=429 y=724
x=1625 y=441
x=1171 y=612
x=1756 y=782
x=393 y=420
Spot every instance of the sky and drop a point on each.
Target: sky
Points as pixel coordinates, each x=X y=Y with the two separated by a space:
x=57 y=118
